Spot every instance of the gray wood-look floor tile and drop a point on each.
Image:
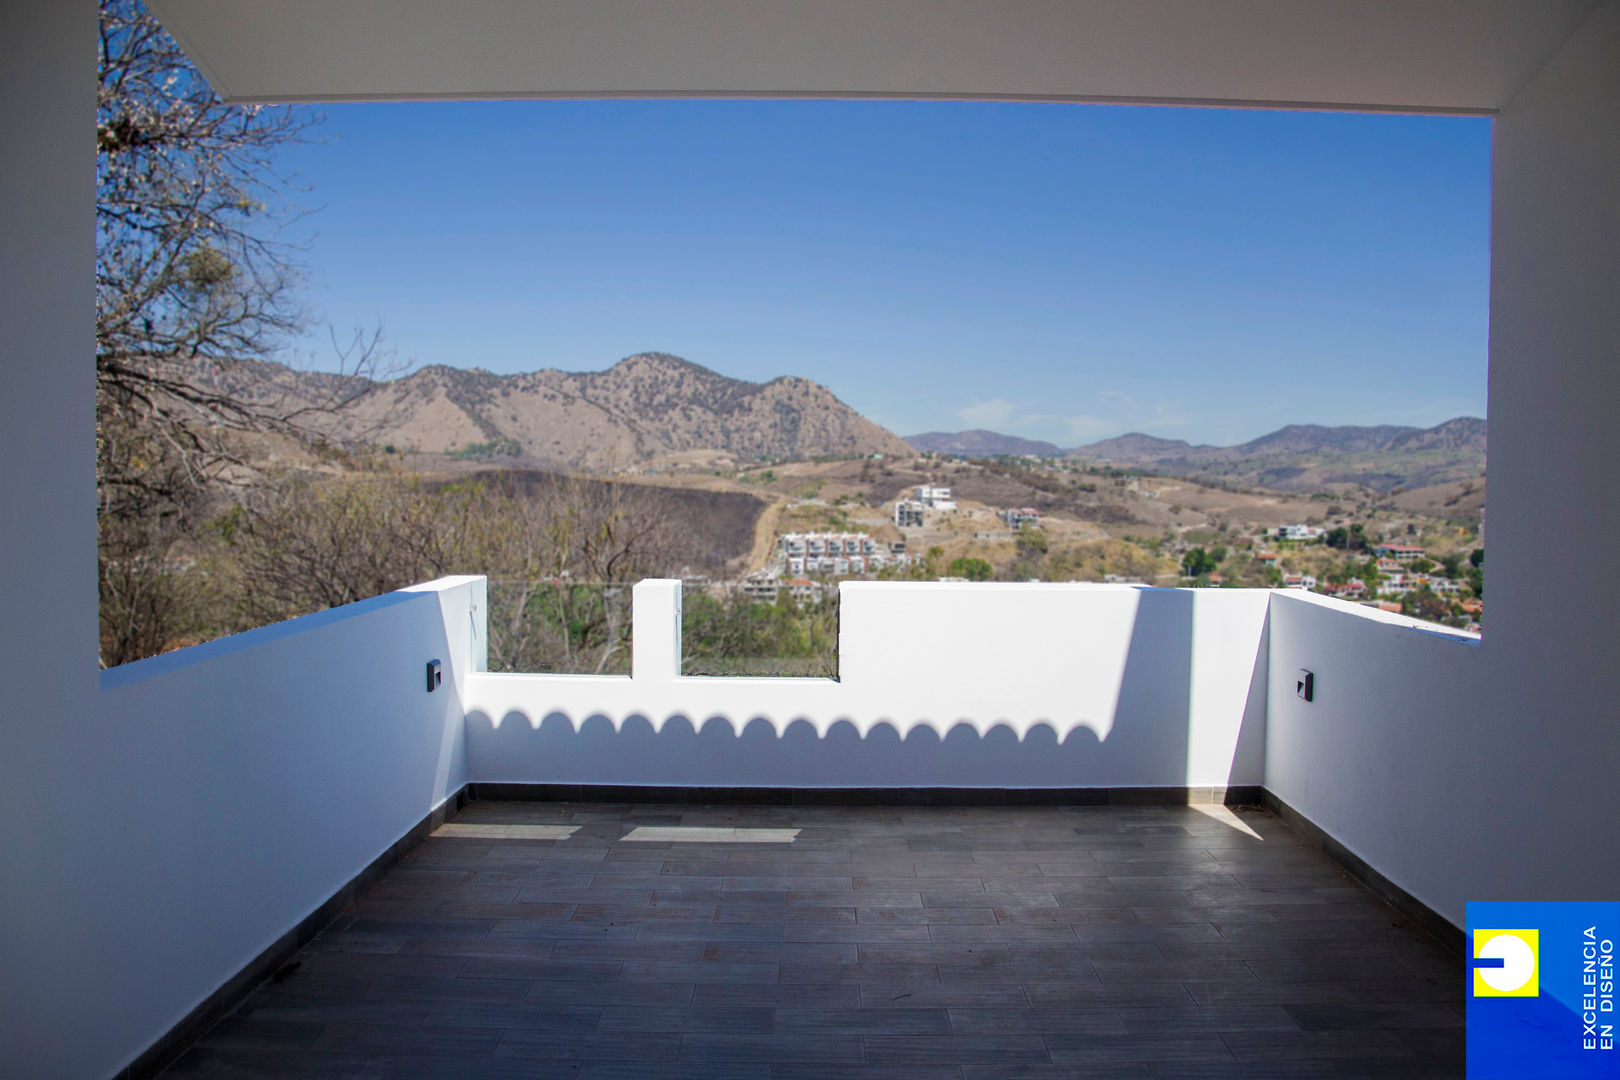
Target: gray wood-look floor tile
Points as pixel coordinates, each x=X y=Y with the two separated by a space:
x=914 y=943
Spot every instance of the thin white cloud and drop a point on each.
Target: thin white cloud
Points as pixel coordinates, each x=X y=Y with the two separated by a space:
x=1168 y=416
x=1088 y=429
x=992 y=414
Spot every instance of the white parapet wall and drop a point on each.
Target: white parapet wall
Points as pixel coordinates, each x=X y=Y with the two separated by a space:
x=940 y=685
x=235 y=787
x=1387 y=757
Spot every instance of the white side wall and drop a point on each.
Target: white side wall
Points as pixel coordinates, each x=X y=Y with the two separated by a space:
x=234 y=787
x=940 y=685
x=1381 y=758
x=1490 y=774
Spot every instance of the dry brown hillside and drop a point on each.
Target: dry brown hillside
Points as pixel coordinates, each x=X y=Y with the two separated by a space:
x=642 y=407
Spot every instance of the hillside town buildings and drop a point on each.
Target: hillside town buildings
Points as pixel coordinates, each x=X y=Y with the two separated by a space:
x=1398 y=552
x=814 y=557
x=1399 y=584
x=764 y=586
x=908 y=514
x=1354 y=589
x=837 y=553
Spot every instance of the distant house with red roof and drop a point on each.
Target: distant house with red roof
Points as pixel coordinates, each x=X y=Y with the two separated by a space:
x=803 y=589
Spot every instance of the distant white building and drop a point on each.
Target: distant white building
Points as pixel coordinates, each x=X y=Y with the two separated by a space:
x=804 y=590
x=1299 y=581
x=1025 y=515
x=760 y=586
x=1299 y=532
x=1399 y=552
x=935 y=498
x=839 y=553
x=817 y=545
x=908 y=514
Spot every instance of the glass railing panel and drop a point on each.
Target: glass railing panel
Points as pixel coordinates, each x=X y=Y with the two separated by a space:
x=559 y=627
x=732 y=629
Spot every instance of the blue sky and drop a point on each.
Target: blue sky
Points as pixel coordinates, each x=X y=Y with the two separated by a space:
x=1059 y=272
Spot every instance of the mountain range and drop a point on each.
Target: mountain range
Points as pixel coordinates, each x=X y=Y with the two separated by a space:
x=982 y=443
x=1299 y=457
x=642 y=407
x=653 y=404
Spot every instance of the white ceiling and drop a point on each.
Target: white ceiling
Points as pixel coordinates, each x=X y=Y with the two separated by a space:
x=1443 y=55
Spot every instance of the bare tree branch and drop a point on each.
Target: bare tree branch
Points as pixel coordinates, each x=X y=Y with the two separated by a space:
x=196 y=286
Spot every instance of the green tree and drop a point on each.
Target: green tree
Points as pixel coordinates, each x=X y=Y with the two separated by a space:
x=1368 y=573
x=1032 y=541
x=1198 y=563
x=1451 y=565
x=972 y=569
x=1353 y=538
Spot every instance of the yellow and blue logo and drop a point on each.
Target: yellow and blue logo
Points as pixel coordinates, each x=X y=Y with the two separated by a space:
x=1541 y=998
x=1507 y=963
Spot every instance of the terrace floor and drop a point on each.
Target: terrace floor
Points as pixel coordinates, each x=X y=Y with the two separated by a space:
x=914 y=942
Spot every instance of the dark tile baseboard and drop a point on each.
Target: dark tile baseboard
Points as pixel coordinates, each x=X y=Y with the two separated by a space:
x=219 y=1004
x=1431 y=921
x=867 y=796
